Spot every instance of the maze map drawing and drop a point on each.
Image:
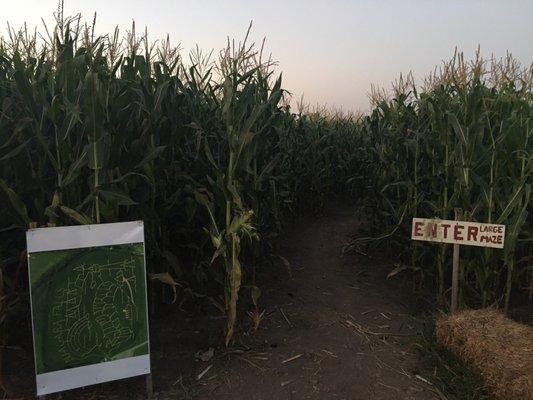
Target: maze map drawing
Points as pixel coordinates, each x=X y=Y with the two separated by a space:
x=89 y=305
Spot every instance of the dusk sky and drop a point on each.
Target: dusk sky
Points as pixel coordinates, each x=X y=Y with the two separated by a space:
x=330 y=51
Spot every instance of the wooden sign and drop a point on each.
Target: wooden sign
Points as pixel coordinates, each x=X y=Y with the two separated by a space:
x=89 y=307
x=458 y=232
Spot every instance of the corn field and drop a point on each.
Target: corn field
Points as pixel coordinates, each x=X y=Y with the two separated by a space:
x=463 y=142
x=207 y=151
x=104 y=129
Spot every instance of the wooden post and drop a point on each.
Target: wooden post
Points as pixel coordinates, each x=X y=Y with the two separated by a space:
x=455 y=271
x=2 y=336
x=149 y=387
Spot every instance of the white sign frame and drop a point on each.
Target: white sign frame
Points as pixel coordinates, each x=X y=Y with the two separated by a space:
x=458 y=232
x=83 y=236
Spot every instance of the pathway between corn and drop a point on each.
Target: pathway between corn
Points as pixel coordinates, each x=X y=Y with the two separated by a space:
x=336 y=330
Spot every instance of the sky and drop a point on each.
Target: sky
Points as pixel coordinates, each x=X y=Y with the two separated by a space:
x=328 y=51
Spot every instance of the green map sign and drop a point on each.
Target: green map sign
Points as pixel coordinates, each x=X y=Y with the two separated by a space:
x=89 y=308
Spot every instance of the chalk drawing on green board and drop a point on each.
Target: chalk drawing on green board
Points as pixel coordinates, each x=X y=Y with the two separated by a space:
x=89 y=305
x=79 y=333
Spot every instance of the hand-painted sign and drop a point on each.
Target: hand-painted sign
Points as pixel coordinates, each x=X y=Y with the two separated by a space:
x=458 y=232
x=89 y=308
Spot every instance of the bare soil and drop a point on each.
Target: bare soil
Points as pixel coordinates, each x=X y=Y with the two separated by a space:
x=335 y=329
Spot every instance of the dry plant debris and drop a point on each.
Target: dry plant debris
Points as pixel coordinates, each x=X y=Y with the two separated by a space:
x=499 y=348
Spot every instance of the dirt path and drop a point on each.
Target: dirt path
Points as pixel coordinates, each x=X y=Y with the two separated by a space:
x=319 y=337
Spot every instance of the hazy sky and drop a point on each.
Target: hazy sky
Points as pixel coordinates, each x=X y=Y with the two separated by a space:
x=331 y=51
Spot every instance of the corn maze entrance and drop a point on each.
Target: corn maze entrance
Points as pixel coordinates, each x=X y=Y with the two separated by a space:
x=334 y=327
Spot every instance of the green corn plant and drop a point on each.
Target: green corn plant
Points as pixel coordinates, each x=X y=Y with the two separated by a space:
x=210 y=154
x=473 y=152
